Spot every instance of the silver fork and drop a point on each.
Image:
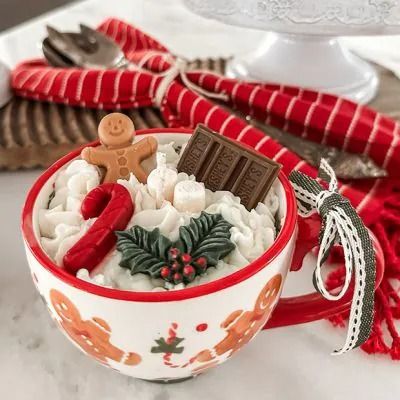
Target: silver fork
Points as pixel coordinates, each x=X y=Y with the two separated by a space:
x=87 y=49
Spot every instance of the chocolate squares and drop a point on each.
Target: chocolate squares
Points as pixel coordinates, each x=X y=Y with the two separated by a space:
x=223 y=164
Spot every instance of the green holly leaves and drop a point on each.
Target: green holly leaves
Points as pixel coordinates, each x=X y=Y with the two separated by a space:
x=206 y=237
x=170 y=347
x=143 y=251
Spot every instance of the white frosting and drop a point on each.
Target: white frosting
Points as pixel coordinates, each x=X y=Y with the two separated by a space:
x=62 y=225
x=158 y=204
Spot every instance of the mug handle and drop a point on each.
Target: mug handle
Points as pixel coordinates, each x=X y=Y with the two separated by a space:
x=312 y=307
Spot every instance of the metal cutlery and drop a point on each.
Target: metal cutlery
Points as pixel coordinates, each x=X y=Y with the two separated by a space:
x=346 y=165
x=86 y=49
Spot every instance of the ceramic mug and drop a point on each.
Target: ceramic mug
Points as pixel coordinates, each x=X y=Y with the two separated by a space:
x=173 y=335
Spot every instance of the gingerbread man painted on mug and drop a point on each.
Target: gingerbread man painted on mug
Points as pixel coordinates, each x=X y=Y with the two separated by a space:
x=91 y=335
x=241 y=326
x=117 y=154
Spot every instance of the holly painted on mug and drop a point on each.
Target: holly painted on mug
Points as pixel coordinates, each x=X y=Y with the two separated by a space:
x=240 y=327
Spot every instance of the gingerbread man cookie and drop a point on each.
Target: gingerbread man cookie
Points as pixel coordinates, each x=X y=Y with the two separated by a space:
x=117 y=154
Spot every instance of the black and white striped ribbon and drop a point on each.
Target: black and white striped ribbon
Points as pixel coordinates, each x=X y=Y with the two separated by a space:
x=341 y=224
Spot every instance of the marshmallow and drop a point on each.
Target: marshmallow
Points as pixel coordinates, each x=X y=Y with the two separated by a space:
x=161 y=181
x=190 y=196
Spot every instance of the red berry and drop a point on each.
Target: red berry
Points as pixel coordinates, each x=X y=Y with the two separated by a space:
x=202 y=262
x=188 y=271
x=177 y=277
x=174 y=253
x=175 y=266
x=186 y=258
x=165 y=272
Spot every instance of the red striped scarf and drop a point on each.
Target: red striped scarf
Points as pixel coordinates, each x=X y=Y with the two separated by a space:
x=320 y=117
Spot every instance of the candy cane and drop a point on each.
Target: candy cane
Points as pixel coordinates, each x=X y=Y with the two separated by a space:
x=113 y=206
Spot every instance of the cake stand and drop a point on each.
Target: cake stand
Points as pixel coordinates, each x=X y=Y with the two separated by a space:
x=301 y=47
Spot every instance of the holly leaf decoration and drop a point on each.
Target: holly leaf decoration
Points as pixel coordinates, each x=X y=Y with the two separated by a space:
x=207 y=236
x=143 y=251
x=201 y=244
x=168 y=347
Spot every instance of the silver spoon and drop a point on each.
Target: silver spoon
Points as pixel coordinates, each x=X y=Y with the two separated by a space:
x=86 y=49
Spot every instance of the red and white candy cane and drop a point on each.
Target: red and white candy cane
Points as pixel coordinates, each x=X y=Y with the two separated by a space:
x=113 y=206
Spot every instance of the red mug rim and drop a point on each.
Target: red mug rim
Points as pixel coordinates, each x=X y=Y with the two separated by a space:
x=176 y=295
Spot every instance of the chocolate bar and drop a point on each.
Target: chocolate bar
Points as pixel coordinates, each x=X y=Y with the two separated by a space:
x=224 y=164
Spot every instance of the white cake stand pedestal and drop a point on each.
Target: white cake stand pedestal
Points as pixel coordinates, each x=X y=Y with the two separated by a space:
x=317 y=62
x=5 y=92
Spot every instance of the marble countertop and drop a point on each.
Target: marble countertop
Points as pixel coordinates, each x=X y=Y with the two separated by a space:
x=38 y=362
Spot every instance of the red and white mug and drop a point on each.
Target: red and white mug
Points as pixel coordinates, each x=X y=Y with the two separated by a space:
x=174 y=335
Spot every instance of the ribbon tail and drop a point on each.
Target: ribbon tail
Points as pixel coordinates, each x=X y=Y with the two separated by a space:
x=327 y=174
x=327 y=240
x=340 y=218
x=362 y=307
x=306 y=190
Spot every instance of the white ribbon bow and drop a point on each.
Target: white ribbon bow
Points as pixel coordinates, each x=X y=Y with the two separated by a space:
x=179 y=67
x=341 y=224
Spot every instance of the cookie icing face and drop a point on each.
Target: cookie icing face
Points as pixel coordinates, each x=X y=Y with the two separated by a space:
x=116 y=130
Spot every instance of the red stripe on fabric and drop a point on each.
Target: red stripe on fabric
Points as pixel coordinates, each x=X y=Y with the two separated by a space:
x=280 y=105
x=243 y=132
x=113 y=29
x=317 y=124
x=288 y=114
x=394 y=151
x=346 y=124
x=298 y=116
x=133 y=41
x=51 y=81
x=225 y=126
x=98 y=87
x=261 y=101
x=308 y=117
x=288 y=162
x=380 y=147
x=26 y=81
x=329 y=122
x=361 y=135
x=79 y=85
x=327 y=99
x=124 y=37
x=105 y=26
